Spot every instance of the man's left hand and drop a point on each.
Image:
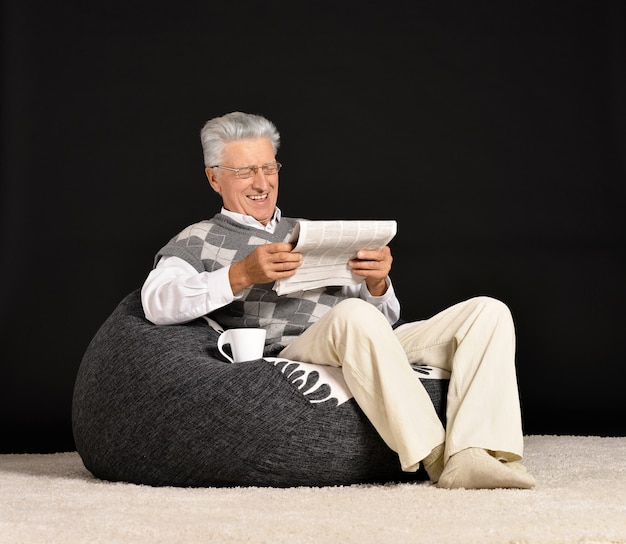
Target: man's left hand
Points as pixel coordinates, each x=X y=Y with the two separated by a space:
x=374 y=266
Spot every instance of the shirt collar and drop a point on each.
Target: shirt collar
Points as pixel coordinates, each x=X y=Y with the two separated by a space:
x=250 y=221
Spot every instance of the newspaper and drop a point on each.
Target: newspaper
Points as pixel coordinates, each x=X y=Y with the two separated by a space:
x=326 y=248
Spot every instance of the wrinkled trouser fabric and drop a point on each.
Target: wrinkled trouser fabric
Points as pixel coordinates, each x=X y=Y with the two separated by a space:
x=474 y=340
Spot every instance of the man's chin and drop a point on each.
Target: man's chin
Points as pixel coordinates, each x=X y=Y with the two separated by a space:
x=263 y=218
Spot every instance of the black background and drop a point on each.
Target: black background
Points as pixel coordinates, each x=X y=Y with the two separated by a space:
x=493 y=132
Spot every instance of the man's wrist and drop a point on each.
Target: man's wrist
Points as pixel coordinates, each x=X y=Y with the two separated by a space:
x=237 y=277
x=378 y=289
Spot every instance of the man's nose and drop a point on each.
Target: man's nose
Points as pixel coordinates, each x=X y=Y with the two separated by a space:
x=259 y=180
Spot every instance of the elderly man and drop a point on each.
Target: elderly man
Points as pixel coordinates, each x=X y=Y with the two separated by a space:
x=225 y=267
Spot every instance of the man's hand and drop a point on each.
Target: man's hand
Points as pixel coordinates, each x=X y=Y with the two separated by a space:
x=265 y=264
x=374 y=266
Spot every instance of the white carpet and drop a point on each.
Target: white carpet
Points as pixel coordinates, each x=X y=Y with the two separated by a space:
x=580 y=498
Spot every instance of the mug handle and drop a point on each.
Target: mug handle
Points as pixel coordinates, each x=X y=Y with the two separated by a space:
x=223 y=339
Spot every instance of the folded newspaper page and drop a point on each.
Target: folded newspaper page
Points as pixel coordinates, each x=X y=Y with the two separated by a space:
x=326 y=248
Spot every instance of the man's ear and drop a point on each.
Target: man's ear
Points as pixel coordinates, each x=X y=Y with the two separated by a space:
x=213 y=180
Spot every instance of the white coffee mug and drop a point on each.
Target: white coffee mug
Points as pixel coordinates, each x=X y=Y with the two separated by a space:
x=245 y=344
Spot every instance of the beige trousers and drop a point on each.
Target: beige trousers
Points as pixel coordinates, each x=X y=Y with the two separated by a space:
x=474 y=340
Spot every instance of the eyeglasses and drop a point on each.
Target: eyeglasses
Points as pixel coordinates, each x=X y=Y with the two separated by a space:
x=268 y=168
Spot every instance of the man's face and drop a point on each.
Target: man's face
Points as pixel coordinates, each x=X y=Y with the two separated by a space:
x=256 y=195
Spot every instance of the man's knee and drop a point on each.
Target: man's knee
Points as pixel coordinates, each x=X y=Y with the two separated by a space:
x=494 y=307
x=356 y=310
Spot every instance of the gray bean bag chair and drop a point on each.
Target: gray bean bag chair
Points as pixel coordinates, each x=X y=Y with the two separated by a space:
x=160 y=406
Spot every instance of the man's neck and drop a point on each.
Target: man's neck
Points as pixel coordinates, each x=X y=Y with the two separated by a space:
x=250 y=221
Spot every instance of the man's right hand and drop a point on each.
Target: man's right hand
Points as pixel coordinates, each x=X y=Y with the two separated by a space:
x=265 y=264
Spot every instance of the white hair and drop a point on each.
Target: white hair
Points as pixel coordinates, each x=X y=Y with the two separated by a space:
x=219 y=131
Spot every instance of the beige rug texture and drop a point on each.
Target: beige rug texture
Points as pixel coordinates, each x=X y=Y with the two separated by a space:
x=580 y=497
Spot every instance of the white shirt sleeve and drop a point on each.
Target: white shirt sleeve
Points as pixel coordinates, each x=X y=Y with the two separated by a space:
x=175 y=292
x=388 y=304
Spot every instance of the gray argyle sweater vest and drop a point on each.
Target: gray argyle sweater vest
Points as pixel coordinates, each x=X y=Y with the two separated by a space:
x=212 y=244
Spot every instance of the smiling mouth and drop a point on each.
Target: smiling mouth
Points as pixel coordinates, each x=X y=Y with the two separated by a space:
x=257 y=197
